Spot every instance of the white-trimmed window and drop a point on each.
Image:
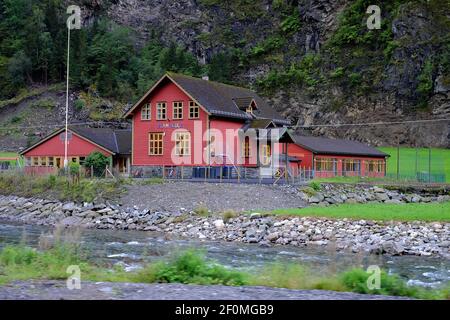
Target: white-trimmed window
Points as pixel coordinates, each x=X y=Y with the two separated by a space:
x=182 y=143
x=194 y=110
x=146 y=112
x=178 y=110
x=51 y=161
x=35 y=161
x=161 y=111
x=155 y=143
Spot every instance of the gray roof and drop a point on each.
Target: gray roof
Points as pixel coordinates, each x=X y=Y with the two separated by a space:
x=337 y=146
x=117 y=141
x=221 y=99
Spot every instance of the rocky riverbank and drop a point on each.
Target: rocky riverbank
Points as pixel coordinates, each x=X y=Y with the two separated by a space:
x=395 y=238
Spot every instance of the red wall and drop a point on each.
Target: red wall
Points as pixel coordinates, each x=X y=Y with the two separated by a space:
x=307 y=161
x=168 y=93
x=233 y=149
x=77 y=146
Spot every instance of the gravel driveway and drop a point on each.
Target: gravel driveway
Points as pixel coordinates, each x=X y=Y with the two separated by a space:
x=171 y=196
x=56 y=290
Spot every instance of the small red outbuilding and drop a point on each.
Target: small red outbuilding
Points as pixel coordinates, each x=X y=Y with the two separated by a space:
x=47 y=155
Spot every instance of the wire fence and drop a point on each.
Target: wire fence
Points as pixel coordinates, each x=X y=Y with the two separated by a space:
x=404 y=165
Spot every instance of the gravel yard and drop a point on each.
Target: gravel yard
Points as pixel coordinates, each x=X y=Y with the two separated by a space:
x=171 y=196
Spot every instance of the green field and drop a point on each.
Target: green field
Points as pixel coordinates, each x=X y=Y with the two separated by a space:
x=440 y=161
x=377 y=211
x=9 y=155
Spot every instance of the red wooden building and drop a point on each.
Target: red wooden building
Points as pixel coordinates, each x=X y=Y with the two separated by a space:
x=47 y=155
x=194 y=126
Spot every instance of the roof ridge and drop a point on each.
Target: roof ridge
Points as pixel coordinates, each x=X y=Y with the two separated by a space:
x=210 y=81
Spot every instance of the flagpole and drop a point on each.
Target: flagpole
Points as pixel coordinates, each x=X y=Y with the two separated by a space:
x=66 y=162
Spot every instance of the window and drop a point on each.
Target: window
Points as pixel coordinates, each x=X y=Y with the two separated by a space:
x=182 y=143
x=178 y=110
x=375 y=166
x=324 y=165
x=82 y=160
x=161 y=111
x=249 y=109
x=35 y=161
x=155 y=144
x=265 y=154
x=351 y=165
x=44 y=161
x=246 y=147
x=28 y=161
x=194 y=110
x=146 y=112
x=51 y=161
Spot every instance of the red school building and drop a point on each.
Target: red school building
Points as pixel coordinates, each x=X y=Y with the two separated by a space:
x=195 y=126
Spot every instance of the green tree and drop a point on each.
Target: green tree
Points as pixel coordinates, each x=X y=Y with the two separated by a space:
x=98 y=161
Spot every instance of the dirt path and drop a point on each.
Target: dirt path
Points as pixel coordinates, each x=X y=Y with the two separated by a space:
x=56 y=290
x=171 y=196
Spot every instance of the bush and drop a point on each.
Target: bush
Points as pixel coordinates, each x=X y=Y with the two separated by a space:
x=316 y=186
x=191 y=267
x=79 y=104
x=98 y=161
x=356 y=281
x=202 y=211
x=74 y=169
x=229 y=214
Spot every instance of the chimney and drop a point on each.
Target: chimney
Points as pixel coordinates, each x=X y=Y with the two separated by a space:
x=206 y=78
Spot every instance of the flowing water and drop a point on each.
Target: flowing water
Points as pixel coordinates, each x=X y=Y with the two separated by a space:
x=133 y=248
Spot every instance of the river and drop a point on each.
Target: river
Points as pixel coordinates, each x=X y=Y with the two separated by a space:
x=133 y=248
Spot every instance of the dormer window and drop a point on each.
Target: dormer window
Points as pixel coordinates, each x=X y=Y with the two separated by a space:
x=249 y=109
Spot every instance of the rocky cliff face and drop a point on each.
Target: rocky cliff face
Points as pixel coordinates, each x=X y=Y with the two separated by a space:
x=397 y=76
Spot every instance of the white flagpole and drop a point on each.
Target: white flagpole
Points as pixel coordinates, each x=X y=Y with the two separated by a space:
x=66 y=162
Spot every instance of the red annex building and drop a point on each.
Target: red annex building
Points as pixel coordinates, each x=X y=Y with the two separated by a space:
x=47 y=155
x=196 y=127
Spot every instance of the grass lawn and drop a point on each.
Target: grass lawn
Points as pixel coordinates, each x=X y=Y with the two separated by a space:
x=378 y=211
x=440 y=161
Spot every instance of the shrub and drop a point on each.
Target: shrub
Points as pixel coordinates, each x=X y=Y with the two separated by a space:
x=229 y=214
x=74 y=168
x=291 y=24
x=191 y=267
x=98 y=161
x=79 y=104
x=356 y=281
x=316 y=186
x=202 y=211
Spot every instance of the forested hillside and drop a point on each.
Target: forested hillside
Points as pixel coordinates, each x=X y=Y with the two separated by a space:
x=315 y=60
